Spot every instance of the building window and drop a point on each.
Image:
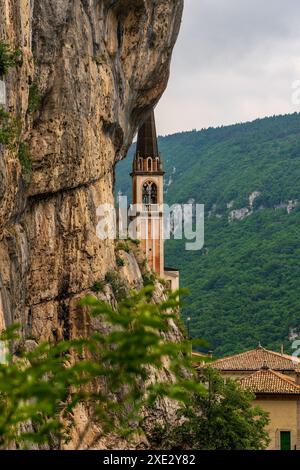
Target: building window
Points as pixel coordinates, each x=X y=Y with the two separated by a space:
x=285 y=440
x=149 y=164
x=149 y=193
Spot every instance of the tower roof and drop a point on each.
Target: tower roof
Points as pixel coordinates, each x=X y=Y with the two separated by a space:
x=147 y=138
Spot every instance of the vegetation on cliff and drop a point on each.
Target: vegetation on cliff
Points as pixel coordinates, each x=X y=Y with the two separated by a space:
x=8 y=58
x=41 y=385
x=9 y=128
x=108 y=372
x=10 y=125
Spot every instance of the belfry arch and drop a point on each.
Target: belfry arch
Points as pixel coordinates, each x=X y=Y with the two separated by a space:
x=150 y=192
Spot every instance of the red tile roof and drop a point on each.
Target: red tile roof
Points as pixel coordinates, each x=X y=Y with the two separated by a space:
x=266 y=381
x=255 y=360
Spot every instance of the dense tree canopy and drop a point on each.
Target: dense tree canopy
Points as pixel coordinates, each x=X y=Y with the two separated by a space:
x=223 y=418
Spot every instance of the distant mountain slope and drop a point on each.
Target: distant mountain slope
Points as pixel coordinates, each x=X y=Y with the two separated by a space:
x=245 y=283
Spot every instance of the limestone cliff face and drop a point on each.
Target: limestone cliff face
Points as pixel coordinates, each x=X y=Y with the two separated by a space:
x=94 y=68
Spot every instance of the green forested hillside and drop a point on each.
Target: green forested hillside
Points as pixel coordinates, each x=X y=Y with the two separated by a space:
x=245 y=283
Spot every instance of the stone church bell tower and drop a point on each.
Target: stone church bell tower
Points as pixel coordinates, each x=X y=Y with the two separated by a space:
x=148 y=198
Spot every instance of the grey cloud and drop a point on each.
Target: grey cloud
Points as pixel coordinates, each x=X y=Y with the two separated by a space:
x=221 y=29
x=235 y=60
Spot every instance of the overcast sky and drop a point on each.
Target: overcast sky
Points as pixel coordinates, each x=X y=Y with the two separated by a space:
x=235 y=60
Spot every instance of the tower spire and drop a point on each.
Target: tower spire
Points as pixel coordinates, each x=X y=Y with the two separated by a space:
x=147 y=138
x=147 y=158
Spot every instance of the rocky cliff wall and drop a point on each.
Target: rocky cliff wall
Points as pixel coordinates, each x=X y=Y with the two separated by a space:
x=90 y=71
